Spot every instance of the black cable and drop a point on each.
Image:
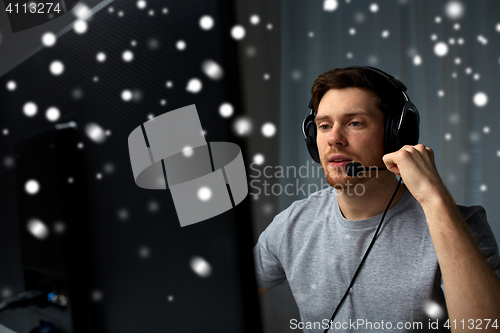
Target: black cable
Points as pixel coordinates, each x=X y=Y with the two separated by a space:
x=363 y=260
x=22 y=299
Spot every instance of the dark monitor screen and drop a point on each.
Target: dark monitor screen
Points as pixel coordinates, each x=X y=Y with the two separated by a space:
x=74 y=219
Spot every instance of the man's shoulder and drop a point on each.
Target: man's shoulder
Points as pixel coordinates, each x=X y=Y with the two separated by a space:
x=469 y=211
x=476 y=219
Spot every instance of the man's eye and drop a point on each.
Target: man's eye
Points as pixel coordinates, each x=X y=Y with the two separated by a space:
x=324 y=127
x=356 y=123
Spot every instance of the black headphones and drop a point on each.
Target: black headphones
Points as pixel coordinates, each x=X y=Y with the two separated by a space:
x=401 y=126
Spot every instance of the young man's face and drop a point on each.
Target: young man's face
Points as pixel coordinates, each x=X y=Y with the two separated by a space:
x=350 y=125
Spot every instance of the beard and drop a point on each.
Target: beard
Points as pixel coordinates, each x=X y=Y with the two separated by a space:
x=338 y=178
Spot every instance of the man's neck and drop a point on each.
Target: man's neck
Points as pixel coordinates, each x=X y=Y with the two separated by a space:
x=374 y=200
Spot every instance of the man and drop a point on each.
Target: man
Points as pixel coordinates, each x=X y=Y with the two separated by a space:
x=428 y=247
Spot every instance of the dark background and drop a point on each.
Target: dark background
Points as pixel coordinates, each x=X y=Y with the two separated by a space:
x=140 y=275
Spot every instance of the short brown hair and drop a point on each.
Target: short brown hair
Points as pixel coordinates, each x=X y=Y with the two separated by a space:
x=358 y=77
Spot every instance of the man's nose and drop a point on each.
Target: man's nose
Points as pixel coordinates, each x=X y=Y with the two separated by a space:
x=336 y=137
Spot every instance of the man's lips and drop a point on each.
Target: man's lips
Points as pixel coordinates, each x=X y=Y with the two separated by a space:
x=339 y=164
x=338 y=161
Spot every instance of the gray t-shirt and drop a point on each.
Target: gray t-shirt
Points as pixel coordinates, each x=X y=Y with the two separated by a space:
x=317 y=250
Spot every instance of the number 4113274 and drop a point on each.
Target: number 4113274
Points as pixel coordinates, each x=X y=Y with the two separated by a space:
x=33 y=8
x=471 y=324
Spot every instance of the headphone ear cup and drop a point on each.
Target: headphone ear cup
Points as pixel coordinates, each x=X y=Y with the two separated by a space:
x=408 y=132
x=389 y=144
x=310 y=132
x=410 y=127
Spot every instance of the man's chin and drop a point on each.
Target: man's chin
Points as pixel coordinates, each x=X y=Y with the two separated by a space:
x=339 y=180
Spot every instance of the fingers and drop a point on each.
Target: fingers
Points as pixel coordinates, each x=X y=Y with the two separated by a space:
x=415 y=153
x=390 y=163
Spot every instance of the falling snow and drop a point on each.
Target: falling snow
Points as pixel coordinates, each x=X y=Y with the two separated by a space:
x=206 y=22
x=101 y=57
x=474 y=137
x=180 y=45
x=417 y=60
x=52 y=114
x=433 y=310
x=374 y=8
x=267 y=209
x=38 y=229
x=441 y=49
x=56 y=67
x=141 y=4
x=95 y=133
x=243 y=126
x=481 y=39
x=144 y=252
x=251 y=51
x=96 y=296
x=49 y=39
x=268 y=130
x=126 y=95
x=8 y=162
x=194 y=86
x=30 y=109
x=212 y=69
x=238 y=32
x=153 y=206
x=187 y=151
x=32 y=187
x=128 y=56
x=254 y=19
x=330 y=5
x=81 y=11
x=258 y=159
x=454 y=10
x=80 y=27
x=204 y=193
x=226 y=110
x=200 y=266
x=59 y=227
x=11 y=85
x=480 y=99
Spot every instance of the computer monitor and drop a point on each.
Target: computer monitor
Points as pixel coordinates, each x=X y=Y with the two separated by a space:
x=75 y=222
